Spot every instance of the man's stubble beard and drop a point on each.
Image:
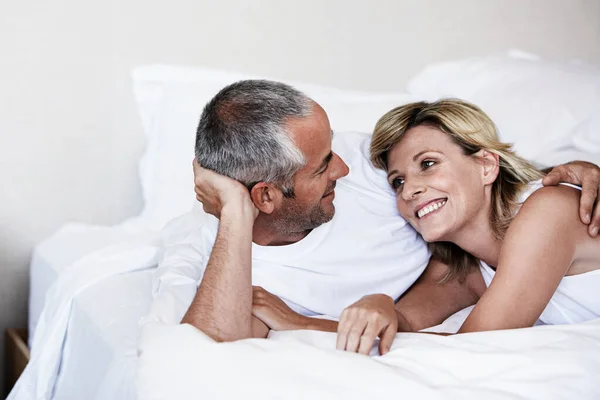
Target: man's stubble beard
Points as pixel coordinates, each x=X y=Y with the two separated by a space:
x=293 y=219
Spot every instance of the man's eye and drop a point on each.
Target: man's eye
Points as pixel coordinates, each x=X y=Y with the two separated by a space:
x=397 y=183
x=427 y=163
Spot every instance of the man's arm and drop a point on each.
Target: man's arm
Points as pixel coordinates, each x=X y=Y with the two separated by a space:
x=587 y=175
x=223 y=304
x=222 y=307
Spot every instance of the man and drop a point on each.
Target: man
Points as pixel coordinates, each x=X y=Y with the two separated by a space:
x=276 y=218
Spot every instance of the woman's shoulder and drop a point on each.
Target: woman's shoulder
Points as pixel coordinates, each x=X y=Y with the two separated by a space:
x=560 y=195
x=552 y=205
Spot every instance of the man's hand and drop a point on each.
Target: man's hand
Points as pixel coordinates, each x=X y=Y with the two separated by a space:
x=271 y=310
x=216 y=191
x=587 y=175
x=360 y=324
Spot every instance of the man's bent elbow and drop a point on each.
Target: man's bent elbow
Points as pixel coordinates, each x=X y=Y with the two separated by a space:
x=214 y=332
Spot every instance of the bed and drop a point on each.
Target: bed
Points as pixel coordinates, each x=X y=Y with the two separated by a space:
x=98 y=327
x=97 y=347
x=99 y=350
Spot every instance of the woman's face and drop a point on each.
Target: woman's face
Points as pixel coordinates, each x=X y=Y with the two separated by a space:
x=438 y=188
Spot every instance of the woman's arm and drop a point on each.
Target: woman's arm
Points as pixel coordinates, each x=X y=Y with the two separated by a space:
x=539 y=247
x=428 y=302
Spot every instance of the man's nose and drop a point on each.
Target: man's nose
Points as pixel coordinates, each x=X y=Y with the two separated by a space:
x=338 y=169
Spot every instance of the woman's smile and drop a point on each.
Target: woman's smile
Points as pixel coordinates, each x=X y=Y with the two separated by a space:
x=429 y=207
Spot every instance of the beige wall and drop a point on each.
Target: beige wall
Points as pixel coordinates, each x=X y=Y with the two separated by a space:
x=69 y=133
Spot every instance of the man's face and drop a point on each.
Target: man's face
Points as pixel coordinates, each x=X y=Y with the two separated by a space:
x=314 y=184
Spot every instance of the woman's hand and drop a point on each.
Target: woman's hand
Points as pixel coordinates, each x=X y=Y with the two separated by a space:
x=360 y=324
x=217 y=192
x=273 y=312
x=587 y=175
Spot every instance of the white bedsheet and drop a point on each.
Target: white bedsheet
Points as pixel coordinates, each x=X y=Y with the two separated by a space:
x=99 y=357
x=57 y=254
x=72 y=297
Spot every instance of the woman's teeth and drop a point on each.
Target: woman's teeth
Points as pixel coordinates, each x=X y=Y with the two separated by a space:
x=430 y=208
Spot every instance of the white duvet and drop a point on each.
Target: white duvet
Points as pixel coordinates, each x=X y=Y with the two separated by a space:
x=179 y=362
x=138 y=251
x=546 y=362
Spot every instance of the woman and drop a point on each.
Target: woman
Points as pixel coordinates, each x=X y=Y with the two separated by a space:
x=480 y=206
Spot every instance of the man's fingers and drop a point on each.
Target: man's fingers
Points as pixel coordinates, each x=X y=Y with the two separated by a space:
x=590 y=186
x=594 y=227
x=553 y=178
x=387 y=338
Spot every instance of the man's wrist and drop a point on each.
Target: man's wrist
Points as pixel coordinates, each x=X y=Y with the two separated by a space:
x=242 y=210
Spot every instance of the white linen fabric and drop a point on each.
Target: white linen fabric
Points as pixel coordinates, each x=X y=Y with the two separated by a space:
x=137 y=252
x=366 y=248
x=586 y=136
x=546 y=362
x=170 y=100
x=99 y=353
x=99 y=356
x=576 y=298
x=538 y=105
x=58 y=253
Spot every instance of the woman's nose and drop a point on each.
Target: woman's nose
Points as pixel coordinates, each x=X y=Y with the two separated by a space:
x=412 y=190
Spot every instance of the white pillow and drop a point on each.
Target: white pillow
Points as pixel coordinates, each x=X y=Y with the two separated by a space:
x=536 y=104
x=170 y=101
x=586 y=135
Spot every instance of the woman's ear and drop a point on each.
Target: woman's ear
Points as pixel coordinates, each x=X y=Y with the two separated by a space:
x=490 y=166
x=265 y=197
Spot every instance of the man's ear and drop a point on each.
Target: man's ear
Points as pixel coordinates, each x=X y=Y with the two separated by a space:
x=490 y=166
x=265 y=197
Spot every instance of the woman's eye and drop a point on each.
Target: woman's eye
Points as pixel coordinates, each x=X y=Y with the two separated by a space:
x=427 y=163
x=397 y=182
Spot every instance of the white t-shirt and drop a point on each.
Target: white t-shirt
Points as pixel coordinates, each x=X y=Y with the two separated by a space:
x=367 y=247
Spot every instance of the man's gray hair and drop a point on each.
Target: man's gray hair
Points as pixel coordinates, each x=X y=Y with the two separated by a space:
x=242 y=133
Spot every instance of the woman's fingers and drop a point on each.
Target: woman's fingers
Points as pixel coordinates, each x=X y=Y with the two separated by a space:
x=359 y=336
x=387 y=338
x=350 y=329
x=368 y=338
x=354 y=339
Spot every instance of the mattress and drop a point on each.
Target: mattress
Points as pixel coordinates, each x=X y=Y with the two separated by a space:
x=99 y=352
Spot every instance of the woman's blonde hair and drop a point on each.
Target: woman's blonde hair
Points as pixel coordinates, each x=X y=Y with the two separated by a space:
x=471 y=129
